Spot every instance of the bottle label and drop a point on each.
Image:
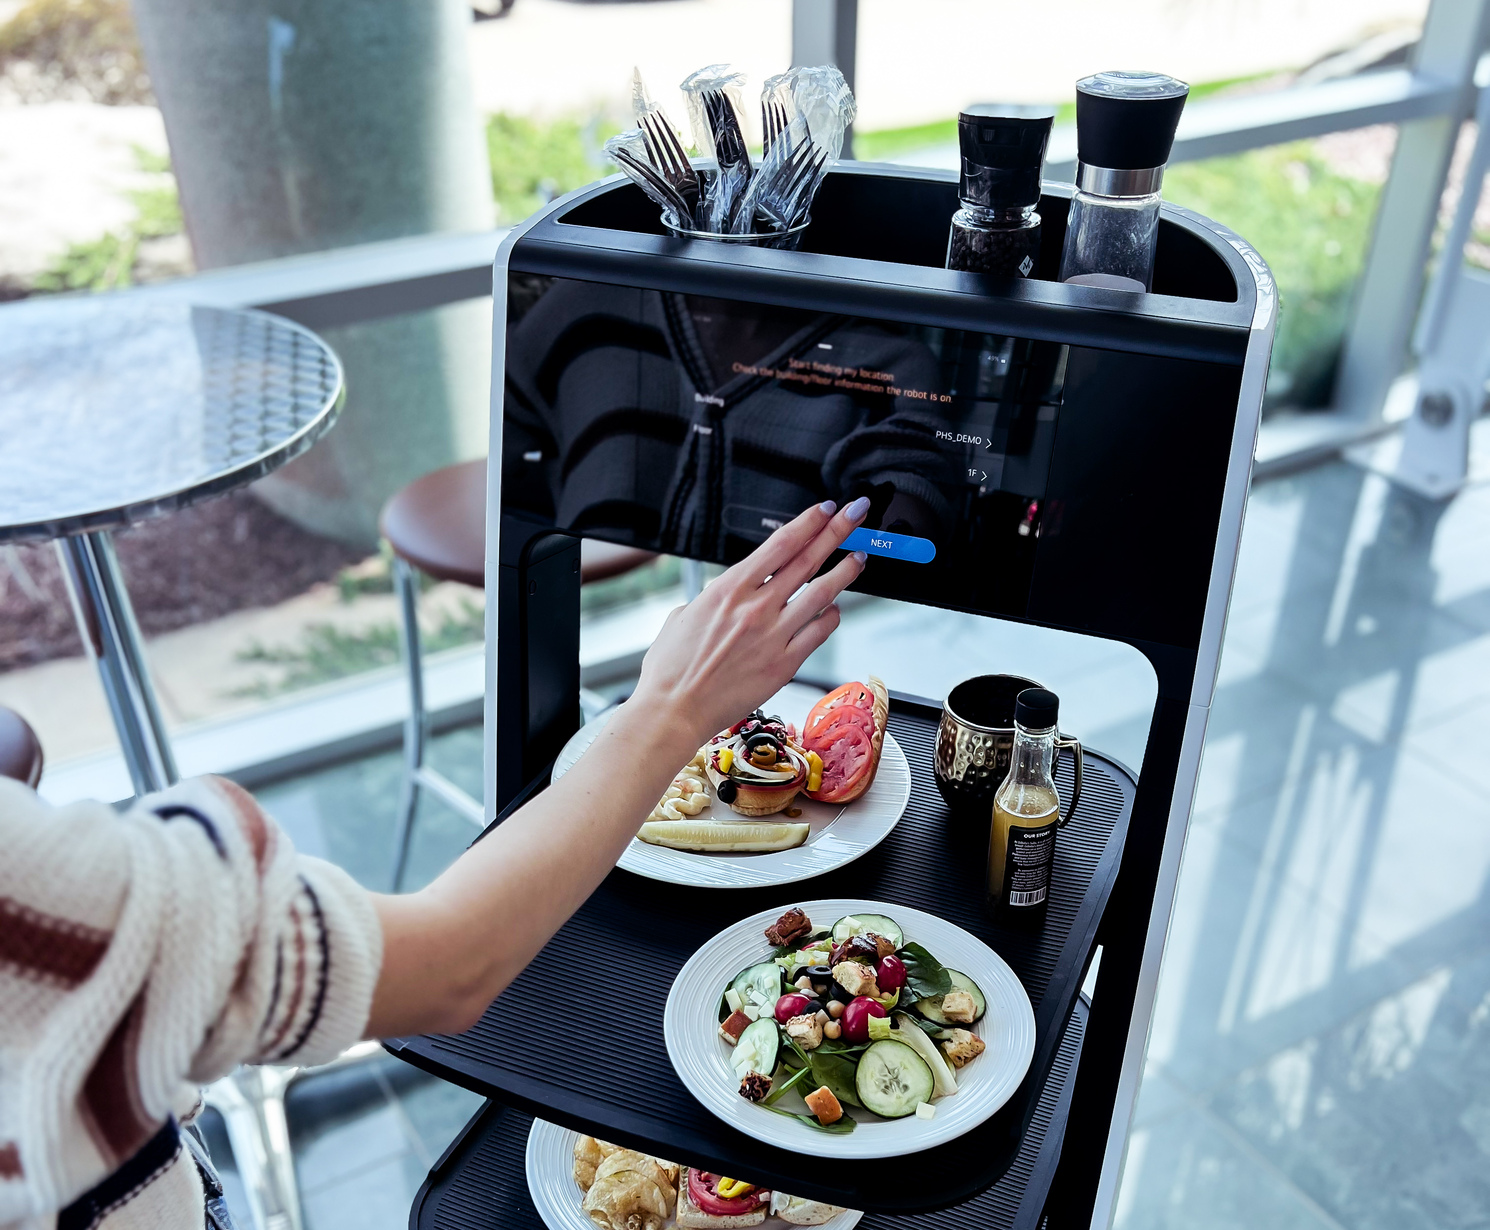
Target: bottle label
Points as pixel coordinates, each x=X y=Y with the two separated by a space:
x=1027 y=863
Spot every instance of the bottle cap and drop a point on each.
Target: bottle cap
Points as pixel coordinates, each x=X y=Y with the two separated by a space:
x=1003 y=149
x=1037 y=708
x=1126 y=120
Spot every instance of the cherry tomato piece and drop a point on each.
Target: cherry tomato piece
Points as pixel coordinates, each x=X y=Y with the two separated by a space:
x=855 y=1019
x=890 y=974
x=789 y=1006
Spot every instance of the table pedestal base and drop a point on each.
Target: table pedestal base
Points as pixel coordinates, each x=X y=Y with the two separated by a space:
x=106 y=621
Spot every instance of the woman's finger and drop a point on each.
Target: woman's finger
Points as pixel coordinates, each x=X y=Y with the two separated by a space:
x=800 y=569
x=823 y=591
x=783 y=545
x=811 y=636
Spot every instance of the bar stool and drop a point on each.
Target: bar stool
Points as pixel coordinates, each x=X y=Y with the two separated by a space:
x=20 y=749
x=437 y=525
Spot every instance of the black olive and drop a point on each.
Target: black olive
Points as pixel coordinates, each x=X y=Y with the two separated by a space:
x=763 y=740
x=836 y=991
x=798 y=972
x=728 y=792
x=814 y=1006
x=818 y=972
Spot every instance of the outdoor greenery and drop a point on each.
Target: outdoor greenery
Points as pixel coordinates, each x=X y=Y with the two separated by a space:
x=108 y=262
x=1313 y=227
x=75 y=46
x=533 y=161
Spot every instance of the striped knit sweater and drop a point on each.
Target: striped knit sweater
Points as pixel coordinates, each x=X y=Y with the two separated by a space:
x=141 y=956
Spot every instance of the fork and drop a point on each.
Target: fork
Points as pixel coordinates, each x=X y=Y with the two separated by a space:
x=784 y=199
x=662 y=192
x=773 y=124
x=671 y=162
x=729 y=141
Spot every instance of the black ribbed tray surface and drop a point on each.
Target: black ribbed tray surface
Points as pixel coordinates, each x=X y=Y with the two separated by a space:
x=522 y=1049
x=481 y=1184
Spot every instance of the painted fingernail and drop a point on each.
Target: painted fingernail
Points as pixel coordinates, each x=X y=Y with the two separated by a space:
x=860 y=558
x=828 y=507
x=856 y=510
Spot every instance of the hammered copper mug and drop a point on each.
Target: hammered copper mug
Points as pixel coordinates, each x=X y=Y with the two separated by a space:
x=976 y=738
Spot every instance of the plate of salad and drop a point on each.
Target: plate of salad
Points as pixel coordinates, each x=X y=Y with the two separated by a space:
x=849 y=1028
x=769 y=802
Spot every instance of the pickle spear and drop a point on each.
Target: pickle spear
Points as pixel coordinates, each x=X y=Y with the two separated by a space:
x=722 y=838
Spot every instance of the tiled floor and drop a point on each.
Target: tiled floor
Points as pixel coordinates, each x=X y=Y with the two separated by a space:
x=1319 y=1054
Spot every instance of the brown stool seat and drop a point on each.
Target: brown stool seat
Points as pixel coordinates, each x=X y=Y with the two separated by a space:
x=20 y=749
x=438 y=524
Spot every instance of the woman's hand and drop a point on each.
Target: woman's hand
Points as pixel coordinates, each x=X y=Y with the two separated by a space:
x=744 y=638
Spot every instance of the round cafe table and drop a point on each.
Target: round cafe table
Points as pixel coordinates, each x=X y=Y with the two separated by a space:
x=116 y=409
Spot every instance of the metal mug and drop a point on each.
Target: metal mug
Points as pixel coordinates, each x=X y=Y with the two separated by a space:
x=975 y=741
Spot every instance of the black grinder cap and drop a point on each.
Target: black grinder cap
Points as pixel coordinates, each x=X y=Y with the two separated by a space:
x=1037 y=708
x=1003 y=150
x=1126 y=120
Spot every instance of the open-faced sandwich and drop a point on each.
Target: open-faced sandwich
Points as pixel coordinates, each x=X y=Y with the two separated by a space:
x=625 y=1190
x=760 y=766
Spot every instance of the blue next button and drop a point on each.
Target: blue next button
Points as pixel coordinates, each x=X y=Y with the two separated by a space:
x=897 y=546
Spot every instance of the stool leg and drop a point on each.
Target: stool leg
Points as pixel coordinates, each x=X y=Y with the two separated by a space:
x=416 y=726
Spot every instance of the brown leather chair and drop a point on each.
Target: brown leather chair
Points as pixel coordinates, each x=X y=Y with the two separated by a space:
x=437 y=525
x=20 y=749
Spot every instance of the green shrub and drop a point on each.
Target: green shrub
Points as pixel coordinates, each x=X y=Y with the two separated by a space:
x=533 y=161
x=87 y=43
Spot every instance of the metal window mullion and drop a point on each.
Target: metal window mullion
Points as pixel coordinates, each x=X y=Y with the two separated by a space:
x=1391 y=286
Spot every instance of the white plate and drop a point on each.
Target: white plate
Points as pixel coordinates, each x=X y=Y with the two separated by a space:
x=690 y=1027
x=838 y=834
x=550 y=1165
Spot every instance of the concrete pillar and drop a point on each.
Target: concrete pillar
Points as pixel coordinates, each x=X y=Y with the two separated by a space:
x=302 y=125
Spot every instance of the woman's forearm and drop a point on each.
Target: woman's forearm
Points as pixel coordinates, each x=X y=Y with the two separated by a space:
x=453 y=947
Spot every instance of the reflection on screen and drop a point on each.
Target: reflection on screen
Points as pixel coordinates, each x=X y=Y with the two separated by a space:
x=696 y=426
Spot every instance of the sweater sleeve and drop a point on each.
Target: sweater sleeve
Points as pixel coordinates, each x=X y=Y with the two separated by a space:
x=146 y=953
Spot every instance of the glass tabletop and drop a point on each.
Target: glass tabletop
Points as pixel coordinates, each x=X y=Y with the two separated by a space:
x=112 y=410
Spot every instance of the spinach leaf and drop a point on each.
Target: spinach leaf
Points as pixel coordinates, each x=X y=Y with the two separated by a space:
x=841 y=1128
x=924 y=974
x=837 y=1071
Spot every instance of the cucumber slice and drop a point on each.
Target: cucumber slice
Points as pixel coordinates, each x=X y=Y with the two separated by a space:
x=892 y=1079
x=760 y=985
x=914 y=1037
x=858 y=924
x=931 y=1008
x=756 y=1049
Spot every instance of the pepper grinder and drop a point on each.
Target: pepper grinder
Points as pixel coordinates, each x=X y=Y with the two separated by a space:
x=1003 y=149
x=1125 y=124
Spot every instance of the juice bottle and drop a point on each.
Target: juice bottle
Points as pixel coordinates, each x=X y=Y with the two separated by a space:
x=1026 y=811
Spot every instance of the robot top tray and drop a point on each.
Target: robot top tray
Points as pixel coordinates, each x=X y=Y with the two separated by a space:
x=518 y=1053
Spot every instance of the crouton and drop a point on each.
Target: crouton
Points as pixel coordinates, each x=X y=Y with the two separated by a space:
x=963 y=1046
x=733 y=1026
x=856 y=979
x=755 y=1086
x=824 y=1105
x=806 y=1030
x=959 y=1006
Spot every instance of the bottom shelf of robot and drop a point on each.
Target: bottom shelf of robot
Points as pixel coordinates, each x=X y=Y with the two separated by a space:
x=481 y=1181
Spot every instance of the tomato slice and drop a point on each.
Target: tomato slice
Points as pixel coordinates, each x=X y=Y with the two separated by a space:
x=703 y=1190
x=847 y=751
x=851 y=698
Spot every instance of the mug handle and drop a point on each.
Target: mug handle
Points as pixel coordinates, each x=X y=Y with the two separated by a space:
x=1074 y=744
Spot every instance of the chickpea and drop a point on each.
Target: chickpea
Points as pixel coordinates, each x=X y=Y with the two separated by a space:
x=835 y=1008
x=832 y=1030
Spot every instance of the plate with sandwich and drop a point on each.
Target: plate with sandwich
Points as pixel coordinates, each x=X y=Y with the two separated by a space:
x=580 y=1183
x=802 y=786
